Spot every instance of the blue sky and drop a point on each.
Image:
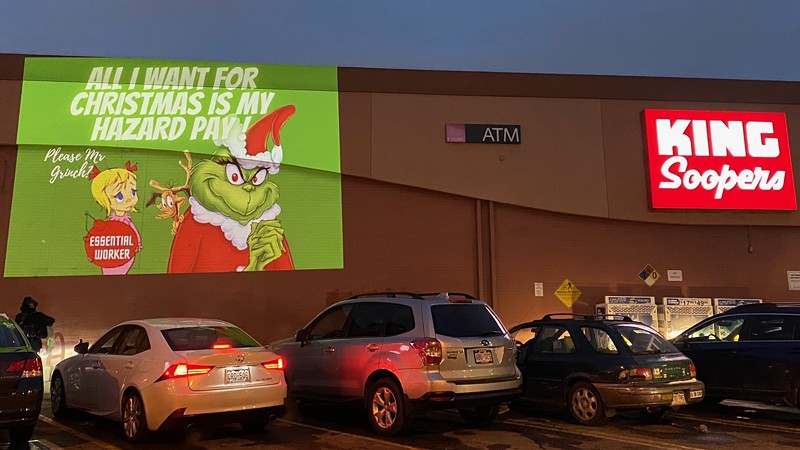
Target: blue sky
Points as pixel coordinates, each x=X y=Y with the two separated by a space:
x=739 y=39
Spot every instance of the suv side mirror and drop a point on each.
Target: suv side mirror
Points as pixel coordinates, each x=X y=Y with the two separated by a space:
x=301 y=336
x=81 y=347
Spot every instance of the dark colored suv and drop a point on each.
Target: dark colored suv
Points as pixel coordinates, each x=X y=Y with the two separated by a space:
x=21 y=384
x=595 y=366
x=751 y=352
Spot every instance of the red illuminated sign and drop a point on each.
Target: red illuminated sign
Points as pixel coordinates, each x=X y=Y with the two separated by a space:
x=719 y=160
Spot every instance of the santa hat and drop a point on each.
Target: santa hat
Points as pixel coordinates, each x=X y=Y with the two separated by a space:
x=251 y=149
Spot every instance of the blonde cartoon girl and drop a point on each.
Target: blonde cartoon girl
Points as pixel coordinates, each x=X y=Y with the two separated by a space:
x=115 y=190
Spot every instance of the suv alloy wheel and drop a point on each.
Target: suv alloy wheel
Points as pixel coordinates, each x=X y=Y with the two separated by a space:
x=385 y=410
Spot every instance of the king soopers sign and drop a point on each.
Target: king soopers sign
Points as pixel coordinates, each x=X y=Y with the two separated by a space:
x=719 y=160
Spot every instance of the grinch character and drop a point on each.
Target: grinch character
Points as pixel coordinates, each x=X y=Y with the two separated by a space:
x=232 y=220
x=115 y=190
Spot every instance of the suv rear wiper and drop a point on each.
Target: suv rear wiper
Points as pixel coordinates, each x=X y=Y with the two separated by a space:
x=492 y=333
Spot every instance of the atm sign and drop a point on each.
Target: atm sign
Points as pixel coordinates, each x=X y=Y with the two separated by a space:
x=719 y=160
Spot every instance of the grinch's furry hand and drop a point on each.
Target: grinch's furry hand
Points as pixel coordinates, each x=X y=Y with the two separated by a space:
x=265 y=243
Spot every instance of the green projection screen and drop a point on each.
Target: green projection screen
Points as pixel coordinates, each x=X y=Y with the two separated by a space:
x=145 y=167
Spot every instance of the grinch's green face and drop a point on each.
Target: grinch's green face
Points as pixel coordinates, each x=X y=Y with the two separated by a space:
x=221 y=185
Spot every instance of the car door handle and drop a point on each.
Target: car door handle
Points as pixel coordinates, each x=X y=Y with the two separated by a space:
x=129 y=365
x=373 y=347
x=330 y=350
x=96 y=365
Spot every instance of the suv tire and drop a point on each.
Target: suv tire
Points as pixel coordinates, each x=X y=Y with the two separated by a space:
x=480 y=415
x=385 y=410
x=585 y=405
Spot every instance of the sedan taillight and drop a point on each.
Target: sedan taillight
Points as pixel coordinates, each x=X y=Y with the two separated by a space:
x=184 y=370
x=31 y=367
x=278 y=364
x=692 y=370
x=429 y=349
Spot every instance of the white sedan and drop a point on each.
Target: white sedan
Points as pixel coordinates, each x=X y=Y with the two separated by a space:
x=158 y=374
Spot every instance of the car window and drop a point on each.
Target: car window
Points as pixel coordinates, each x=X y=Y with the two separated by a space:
x=553 y=339
x=367 y=320
x=331 y=324
x=10 y=336
x=644 y=341
x=134 y=341
x=207 y=338
x=105 y=345
x=523 y=335
x=465 y=320
x=600 y=341
x=773 y=328
x=401 y=319
x=722 y=329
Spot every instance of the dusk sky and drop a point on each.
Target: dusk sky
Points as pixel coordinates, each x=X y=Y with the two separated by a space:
x=674 y=38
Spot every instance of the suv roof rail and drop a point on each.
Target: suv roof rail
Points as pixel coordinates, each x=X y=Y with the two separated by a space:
x=447 y=295
x=764 y=306
x=391 y=294
x=621 y=317
x=570 y=315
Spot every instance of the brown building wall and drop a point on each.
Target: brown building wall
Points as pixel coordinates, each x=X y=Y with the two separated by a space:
x=420 y=214
x=604 y=257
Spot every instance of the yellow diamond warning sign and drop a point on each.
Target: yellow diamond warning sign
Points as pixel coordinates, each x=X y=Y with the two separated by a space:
x=568 y=293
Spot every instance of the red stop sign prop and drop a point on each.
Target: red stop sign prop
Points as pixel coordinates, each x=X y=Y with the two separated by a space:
x=110 y=243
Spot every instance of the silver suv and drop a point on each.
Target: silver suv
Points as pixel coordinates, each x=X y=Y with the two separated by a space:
x=403 y=354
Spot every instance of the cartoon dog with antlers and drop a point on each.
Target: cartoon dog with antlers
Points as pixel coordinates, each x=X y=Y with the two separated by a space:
x=170 y=202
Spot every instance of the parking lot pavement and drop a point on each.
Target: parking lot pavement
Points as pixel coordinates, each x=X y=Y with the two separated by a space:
x=731 y=425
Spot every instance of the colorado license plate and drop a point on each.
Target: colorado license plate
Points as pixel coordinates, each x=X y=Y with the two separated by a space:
x=234 y=376
x=483 y=356
x=678 y=398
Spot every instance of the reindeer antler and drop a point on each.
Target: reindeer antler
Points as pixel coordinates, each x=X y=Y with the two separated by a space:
x=188 y=168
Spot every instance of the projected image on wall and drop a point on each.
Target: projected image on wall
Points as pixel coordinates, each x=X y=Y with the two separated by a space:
x=134 y=166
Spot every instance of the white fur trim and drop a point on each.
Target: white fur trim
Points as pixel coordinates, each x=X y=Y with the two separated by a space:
x=236 y=142
x=233 y=230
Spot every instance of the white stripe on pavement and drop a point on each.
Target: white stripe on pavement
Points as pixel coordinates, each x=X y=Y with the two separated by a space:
x=74 y=432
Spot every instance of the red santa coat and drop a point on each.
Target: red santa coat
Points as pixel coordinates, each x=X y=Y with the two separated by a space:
x=211 y=242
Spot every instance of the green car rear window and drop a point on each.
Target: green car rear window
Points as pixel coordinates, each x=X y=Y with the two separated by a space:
x=10 y=336
x=644 y=341
x=206 y=338
x=465 y=320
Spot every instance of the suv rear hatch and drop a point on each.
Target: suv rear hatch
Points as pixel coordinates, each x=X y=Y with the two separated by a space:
x=475 y=346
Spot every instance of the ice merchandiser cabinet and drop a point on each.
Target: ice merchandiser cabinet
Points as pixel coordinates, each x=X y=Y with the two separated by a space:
x=723 y=304
x=640 y=309
x=680 y=313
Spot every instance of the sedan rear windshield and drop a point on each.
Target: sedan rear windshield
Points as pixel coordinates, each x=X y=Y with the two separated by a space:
x=206 y=338
x=9 y=336
x=465 y=320
x=644 y=341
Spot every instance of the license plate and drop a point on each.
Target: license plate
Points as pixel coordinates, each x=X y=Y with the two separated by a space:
x=483 y=356
x=678 y=398
x=234 y=376
x=695 y=394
